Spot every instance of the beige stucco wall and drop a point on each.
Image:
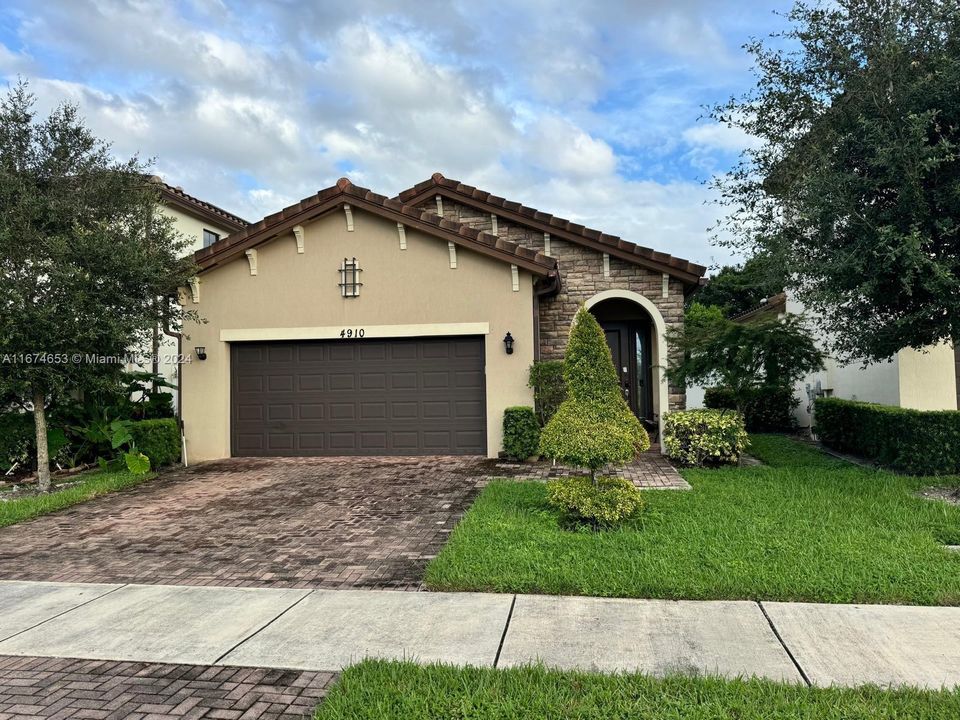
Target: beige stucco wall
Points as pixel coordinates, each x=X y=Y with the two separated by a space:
x=296 y=291
x=928 y=378
x=192 y=227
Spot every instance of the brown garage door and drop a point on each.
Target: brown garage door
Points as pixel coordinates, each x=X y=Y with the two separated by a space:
x=359 y=397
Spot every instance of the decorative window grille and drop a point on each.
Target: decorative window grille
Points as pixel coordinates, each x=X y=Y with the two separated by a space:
x=350 y=278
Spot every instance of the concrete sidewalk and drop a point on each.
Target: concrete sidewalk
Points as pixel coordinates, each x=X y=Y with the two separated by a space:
x=325 y=630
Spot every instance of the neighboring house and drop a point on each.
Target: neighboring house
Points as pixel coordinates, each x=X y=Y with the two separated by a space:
x=920 y=379
x=351 y=323
x=204 y=224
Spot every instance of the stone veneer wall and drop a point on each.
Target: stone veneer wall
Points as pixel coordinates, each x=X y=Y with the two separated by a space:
x=582 y=277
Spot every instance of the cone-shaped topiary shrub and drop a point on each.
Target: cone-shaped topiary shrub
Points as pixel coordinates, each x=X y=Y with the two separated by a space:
x=594 y=425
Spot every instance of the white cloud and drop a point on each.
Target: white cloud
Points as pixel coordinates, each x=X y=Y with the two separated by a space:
x=717 y=136
x=566 y=107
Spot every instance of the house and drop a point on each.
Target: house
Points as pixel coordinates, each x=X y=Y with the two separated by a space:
x=351 y=323
x=203 y=224
x=925 y=379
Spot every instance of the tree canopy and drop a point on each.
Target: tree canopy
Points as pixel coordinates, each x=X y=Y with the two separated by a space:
x=742 y=356
x=88 y=265
x=854 y=186
x=736 y=289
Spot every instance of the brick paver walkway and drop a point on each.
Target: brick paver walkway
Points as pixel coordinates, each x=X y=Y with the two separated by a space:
x=33 y=687
x=281 y=522
x=651 y=471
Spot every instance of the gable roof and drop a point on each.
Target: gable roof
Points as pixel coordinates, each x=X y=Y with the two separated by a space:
x=346 y=193
x=177 y=197
x=690 y=273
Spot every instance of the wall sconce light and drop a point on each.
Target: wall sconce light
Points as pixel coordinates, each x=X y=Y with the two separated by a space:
x=201 y=352
x=508 y=343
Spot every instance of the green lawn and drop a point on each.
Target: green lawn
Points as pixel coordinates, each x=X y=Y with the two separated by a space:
x=806 y=527
x=90 y=485
x=404 y=691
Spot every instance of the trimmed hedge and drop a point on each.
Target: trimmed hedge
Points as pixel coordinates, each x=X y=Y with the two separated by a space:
x=704 y=438
x=920 y=442
x=521 y=432
x=158 y=439
x=608 y=503
x=549 y=388
x=768 y=408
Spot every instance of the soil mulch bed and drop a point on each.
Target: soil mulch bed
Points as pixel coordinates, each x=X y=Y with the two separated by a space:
x=946 y=494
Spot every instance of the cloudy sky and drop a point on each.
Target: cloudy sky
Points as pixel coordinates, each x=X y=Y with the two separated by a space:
x=589 y=110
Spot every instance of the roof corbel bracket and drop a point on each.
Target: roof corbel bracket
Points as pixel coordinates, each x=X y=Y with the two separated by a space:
x=515 y=277
x=453 y=254
x=666 y=285
x=252 y=259
x=298 y=235
x=402 y=231
x=439 y=206
x=195 y=289
x=546 y=243
x=349 y=213
x=606 y=265
x=493 y=224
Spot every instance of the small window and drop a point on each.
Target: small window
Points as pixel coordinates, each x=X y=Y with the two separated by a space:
x=209 y=237
x=350 y=278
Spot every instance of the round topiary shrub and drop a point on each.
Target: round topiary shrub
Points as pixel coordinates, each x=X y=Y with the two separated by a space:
x=521 y=432
x=704 y=437
x=608 y=501
x=594 y=426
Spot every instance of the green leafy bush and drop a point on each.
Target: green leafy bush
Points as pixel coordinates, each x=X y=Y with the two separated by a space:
x=768 y=408
x=18 y=440
x=549 y=388
x=158 y=439
x=594 y=425
x=521 y=432
x=912 y=441
x=609 y=501
x=704 y=437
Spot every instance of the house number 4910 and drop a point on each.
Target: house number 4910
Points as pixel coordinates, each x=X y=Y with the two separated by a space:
x=352 y=332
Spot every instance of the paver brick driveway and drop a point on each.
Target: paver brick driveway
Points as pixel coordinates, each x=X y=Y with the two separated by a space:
x=284 y=522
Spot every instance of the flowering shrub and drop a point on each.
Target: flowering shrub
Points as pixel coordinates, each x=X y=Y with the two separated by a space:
x=704 y=437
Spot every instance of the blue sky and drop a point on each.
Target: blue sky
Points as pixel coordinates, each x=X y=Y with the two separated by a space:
x=590 y=110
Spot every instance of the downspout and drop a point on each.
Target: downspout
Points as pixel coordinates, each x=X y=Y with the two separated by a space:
x=179 y=338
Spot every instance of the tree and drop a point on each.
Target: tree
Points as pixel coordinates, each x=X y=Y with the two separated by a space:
x=736 y=289
x=854 y=188
x=88 y=265
x=594 y=426
x=742 y=356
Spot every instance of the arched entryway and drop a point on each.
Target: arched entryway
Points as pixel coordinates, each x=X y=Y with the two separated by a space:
x=635 y=332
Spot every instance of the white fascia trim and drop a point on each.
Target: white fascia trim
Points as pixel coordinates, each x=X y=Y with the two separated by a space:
x=332 y=332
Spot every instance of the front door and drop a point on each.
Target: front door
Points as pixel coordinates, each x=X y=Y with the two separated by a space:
x=629 y=344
